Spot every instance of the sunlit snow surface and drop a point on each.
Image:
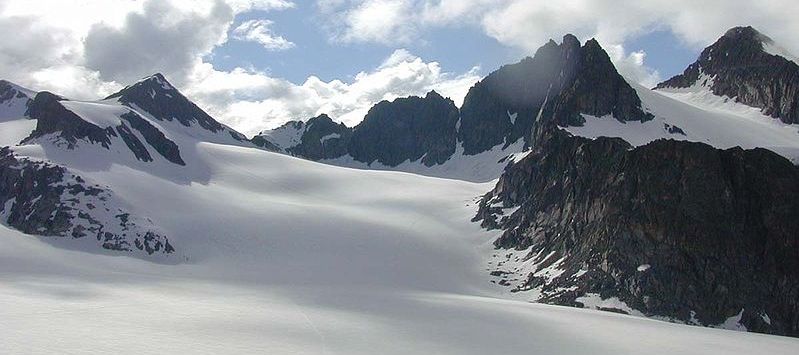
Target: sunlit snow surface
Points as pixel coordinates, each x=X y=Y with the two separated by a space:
x=282 y=255
x=481 y=167
x=703 y=117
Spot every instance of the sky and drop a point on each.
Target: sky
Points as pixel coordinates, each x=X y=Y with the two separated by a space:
x=255 y=64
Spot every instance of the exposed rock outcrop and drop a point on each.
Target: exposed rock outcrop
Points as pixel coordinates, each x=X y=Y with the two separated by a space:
x=14 y=100
x=322 y=139
x=160 y=99
x=44 y=199
x=671 y=229
x=53 y=118
x=561 y=82
x=407 y=129
x=66 y=127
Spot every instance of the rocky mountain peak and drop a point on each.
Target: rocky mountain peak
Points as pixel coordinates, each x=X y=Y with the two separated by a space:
x=570 y=41
x=153 y=85
x=52 y=117
x=559 y=84
x=748 y=66
x=322 y=119
x=163 y=101
x=434 y=95
x=407 y=129
x=743 y=32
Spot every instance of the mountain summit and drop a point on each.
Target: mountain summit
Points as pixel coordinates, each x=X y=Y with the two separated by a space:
x=560 y=84
x=148 y=126
x=157 y=96
x=750 y=67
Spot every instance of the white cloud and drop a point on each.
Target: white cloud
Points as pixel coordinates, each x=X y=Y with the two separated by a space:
x=632 y=66
x=253 y=101
x=527 y=24
x=258 y=31
x=129 y=39
x=262 y=5
x=88 y=48
x=162 y=38
x=385 y=21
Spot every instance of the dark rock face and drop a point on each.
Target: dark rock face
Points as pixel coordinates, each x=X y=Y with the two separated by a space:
x=673 y=229
x=262 y=142
x=559 y=83
x=134 y=144
x=407 y=129
x=411 y=128
x=43 y=199
x=322 y=139
x=597 y=89
x=167 y=148
x=52 y=117
x=161 y=100
x=741 y=69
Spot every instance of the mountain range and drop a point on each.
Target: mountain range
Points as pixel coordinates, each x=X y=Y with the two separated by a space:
x=677 y=203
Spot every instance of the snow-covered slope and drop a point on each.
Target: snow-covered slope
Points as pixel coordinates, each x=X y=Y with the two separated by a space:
x=286 y=136
x=270 y=253
x=283 y=255
x=14 y=100
x=696 y=114
x=58 y=147
x=481 y=167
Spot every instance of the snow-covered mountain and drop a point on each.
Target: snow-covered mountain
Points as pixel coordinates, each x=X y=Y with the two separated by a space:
x=747 y=67
x=737 y=94
x=665 y=228
x=14 y=100
x=250 y=250
x=283 y=255
x=58 y=146
x=499 y=112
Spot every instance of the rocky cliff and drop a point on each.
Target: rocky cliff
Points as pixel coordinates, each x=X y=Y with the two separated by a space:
x=561 y=82
x=407 y=129
x=674 y=230
x=322 y=139
x=48 y=200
